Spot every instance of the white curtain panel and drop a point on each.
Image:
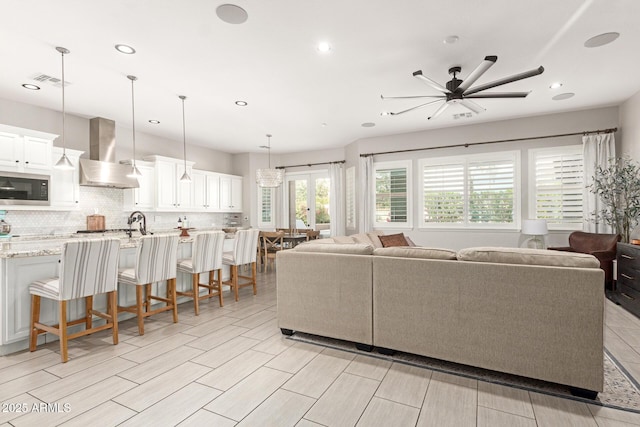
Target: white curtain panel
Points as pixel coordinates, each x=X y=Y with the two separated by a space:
x=279 y=210
x=365 y=213
x=597 y=150
x=336 y=205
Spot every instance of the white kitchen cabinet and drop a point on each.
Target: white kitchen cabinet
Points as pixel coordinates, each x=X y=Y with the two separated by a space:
x=25 y=150
x=143 y=197
x=230 y=193
x=206 y=191
x=65 y=184
x=171 y=194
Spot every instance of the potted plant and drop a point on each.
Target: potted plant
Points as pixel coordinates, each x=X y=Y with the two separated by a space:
x=618 y=187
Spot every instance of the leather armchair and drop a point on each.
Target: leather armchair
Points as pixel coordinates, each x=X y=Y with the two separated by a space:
x=602 y=246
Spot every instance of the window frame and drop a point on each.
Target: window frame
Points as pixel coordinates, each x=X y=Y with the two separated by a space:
x=397 y=164
x=465 y=160
x=571 y=149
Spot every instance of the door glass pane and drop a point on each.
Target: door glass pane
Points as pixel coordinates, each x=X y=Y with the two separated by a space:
x=322 y=201
x=301 y=204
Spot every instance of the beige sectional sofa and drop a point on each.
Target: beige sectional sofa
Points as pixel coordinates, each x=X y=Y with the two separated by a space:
x=527 y=312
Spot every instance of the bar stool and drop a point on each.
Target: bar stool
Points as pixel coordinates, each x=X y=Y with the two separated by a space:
x=244 y=252
x=206 y=255
x=155 y=262
x=87 y=268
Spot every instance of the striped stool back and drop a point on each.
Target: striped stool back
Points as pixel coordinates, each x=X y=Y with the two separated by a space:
x=88 y=267
x=156 y=259
x=206 y=251
x=244 y=250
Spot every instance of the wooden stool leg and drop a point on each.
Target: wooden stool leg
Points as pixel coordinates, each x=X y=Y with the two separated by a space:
x=234 y=280
x=147 y=302
x=253 y=275
x=35 y=318
x=172 y=283
x=64 y=356
x=211 y=282
x=220 y=288
x=112 y=310
x=88 y=302
x=139 y=311
x=195 y=277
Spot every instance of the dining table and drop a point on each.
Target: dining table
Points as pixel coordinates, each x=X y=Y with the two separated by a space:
x=293 y=239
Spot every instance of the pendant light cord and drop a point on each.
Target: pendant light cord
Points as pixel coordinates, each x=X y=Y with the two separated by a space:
x=184 y=135
x=133 y=118
x=269 y=148
x=64 y=145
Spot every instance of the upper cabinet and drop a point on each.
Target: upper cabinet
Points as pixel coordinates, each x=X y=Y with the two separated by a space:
x=65 y=184
x=171 y=194
x=25 y=150
x=143 y=197
x=206 y=191
x=230 y=193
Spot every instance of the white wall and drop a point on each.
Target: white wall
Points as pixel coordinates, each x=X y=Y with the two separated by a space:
x=571 y=122
x=630 y=124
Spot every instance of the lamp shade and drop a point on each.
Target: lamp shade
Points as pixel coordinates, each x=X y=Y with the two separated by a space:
x=534 y=227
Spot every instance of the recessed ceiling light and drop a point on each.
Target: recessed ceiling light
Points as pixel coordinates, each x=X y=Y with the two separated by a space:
x=450 y=39
x=562 y=96
x=241 y=103
x=601 y=39
x=368 y=125
x=324 y=125
x=385 y=113
x=30 y=86
x=231 y=14
x=323 y=47
x=123 y=48
x=154 y=122
x=555 y=85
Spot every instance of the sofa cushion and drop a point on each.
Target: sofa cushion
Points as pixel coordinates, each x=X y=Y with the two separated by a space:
x=391 y=240
x=528 y=256
x=409 y=241
x=416 y=252
x=337 y=248
x=362 y=238
x=375 y=238
x=343 y=239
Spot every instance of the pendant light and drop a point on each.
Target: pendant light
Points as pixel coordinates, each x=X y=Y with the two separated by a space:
x=185 y=176
x=135 y=173
x=269 y=178
x=64 y=163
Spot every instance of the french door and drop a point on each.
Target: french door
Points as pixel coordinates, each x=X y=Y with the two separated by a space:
x=306 y=200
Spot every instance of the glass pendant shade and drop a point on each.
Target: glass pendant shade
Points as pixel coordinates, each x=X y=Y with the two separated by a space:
x=268 y=177
x=185 y=177
x=135 y=172
x=64 y=163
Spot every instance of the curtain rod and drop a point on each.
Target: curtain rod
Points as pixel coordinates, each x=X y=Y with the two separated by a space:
x=311 y=164
x=469 y=144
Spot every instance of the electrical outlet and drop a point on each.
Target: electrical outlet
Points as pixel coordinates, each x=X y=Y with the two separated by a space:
x=246 y=218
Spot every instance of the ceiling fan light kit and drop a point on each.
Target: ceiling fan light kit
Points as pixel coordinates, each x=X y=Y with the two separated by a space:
x=458 y=91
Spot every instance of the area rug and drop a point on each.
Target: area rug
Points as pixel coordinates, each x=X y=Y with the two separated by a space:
x=621 y=390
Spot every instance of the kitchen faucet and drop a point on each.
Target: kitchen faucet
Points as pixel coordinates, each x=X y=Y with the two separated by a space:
x=137 y=216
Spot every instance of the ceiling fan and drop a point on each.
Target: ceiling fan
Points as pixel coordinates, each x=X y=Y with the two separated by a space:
x=460 y=91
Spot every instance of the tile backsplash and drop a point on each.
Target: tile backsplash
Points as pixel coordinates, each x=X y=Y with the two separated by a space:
x=107 y=202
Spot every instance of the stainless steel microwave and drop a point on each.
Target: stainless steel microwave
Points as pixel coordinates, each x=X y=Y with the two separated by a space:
x=24 y=189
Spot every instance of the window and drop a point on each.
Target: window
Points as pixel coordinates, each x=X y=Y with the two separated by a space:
x=556 y=186
x=265 y=204
x=471 y=191
x=392 y=194
x=350 y=187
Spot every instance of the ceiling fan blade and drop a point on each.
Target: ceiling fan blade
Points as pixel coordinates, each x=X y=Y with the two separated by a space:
x=414 y=108
x=506 y=80
x=412 y=97
x=470 y=105
x=479 y=71
x=439 y=111
x=499 y=95
x=418 y=74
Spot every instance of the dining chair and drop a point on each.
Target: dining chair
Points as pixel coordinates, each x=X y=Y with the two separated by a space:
x=272 y=243
x=244 y=252
x=88 y=267
x=156 y=261
x=206 y=256
x=313 y=235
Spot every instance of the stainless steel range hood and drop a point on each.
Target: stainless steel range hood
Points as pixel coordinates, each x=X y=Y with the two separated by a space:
x=101 y=170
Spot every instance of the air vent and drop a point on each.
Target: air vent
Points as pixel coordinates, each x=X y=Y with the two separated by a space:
x=462 y=116
x=44 y=78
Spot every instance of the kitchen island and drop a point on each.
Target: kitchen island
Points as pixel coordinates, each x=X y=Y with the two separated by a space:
x=25 y=260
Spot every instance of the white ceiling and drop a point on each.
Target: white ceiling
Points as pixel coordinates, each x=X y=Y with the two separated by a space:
x=271 y=62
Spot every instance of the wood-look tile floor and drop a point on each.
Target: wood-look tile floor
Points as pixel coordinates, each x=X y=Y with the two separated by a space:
x=231 y=367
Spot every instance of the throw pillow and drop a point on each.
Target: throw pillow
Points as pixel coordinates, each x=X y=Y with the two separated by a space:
x=391 y=240
x=409 y=241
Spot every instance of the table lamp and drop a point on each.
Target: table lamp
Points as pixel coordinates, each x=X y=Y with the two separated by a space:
x=535 y=228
